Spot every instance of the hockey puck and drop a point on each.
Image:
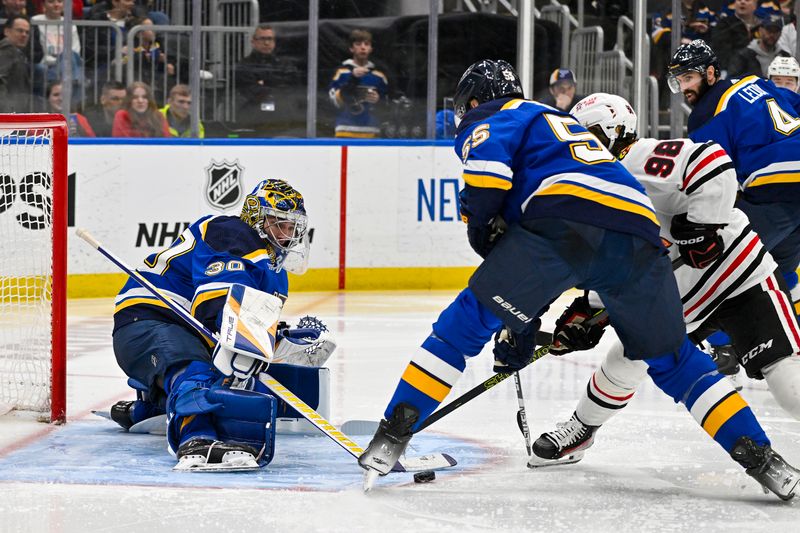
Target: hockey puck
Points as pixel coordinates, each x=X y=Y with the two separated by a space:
x=424 y=477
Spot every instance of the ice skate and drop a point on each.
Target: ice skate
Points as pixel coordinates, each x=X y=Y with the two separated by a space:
x=764 y=465
x=565 y=445
x=206 y=455
x=129 y=413
x=388 y=443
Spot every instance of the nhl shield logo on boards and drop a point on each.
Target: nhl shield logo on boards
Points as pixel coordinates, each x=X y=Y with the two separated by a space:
x=224 y=184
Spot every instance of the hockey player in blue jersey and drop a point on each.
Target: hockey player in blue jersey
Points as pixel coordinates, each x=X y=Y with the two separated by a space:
x=550 y=208
x=210 y=424
x=758 y=125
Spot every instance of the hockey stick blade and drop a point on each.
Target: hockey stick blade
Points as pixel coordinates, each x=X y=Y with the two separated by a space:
x=433 y=461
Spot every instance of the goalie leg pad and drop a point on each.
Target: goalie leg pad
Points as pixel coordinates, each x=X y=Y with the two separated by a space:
x=312 y=385
x=246 y=417
x=199 y=407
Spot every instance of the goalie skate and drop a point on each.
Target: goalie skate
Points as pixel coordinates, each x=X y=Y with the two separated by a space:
x=205 y=455
x=566 y=445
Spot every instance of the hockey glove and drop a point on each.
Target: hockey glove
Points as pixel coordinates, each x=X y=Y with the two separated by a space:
x=484 y=237
x=579 y=327
x=513 y=351
x=483 y=230
x=699 y=244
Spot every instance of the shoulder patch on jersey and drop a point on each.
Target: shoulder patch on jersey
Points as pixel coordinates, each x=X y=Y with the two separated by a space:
x=733 y=89
x=230 y=234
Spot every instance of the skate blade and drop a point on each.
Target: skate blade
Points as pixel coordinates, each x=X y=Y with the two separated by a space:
x=539 y=462
x=103 y=414
x=197 y=463
x=156 y=425
x=370 y=475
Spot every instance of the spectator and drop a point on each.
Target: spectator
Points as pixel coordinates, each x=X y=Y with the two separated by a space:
x=734 y=32
x=138 y=8
x=101 y=117
x=357 y=87
x=78 y=125
x=139 y=116
x=177 y=112
x=150 y=63
x=563 y=87
x=100 y=44
x=9 y=8
x=51 y=37
x=265 y=85
x=756 y=58
x=784 y=71
x=77 y=8
x=15 y=78
x=698 y=20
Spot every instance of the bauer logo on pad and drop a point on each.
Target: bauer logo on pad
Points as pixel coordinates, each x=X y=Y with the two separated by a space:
x=224 y=184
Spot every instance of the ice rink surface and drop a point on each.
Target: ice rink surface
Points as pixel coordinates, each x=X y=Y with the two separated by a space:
x=651 y=469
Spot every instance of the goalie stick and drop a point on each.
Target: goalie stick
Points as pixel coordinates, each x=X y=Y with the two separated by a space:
x=408 y=464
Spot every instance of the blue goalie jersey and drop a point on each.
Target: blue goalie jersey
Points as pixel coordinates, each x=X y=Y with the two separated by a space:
x=197 y=270
x=525 y=160
x=758 y=125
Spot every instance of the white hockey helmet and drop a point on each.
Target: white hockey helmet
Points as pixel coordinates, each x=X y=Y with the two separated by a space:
x=611 y=113
x=784 y=66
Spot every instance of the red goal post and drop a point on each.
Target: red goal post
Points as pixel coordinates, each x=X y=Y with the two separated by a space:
x=33 y=267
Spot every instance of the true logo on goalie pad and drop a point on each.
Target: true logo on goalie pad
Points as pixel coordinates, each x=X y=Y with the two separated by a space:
x=224 y=184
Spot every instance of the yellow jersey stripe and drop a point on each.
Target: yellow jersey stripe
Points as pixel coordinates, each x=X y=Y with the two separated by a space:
x=513 y=104
x=136 y=301
x=597 y=197
x=204 y=227
x=787 y=177
x=255 y=254
x=205 y=296
x=486 y=182
x=723 y=101
x=425 y=384
x=723 y=412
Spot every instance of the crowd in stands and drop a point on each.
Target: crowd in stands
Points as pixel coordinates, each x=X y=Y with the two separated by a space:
x=746 y=35
x=365 y=98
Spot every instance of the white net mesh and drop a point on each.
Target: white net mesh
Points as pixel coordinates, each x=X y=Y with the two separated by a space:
x=26 y=168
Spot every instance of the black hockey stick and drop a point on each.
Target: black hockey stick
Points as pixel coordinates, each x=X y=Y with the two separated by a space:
x=522 y=417
x=541 y=336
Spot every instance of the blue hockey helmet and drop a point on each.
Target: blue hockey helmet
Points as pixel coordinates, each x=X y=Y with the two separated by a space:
x=277 y=212
x=484 y=81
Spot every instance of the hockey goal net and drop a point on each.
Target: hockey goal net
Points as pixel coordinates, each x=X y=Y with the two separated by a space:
x=33 y=224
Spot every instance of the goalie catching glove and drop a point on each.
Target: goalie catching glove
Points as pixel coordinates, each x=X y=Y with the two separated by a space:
x=699 y=244
x=513 y=351
x=309 y=344
x=579 y=327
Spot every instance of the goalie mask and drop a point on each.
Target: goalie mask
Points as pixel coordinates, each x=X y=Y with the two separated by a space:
x=610 y=117
x=277 y=212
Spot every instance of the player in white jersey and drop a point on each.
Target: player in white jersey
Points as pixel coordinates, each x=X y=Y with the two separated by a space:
x=726 y=278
